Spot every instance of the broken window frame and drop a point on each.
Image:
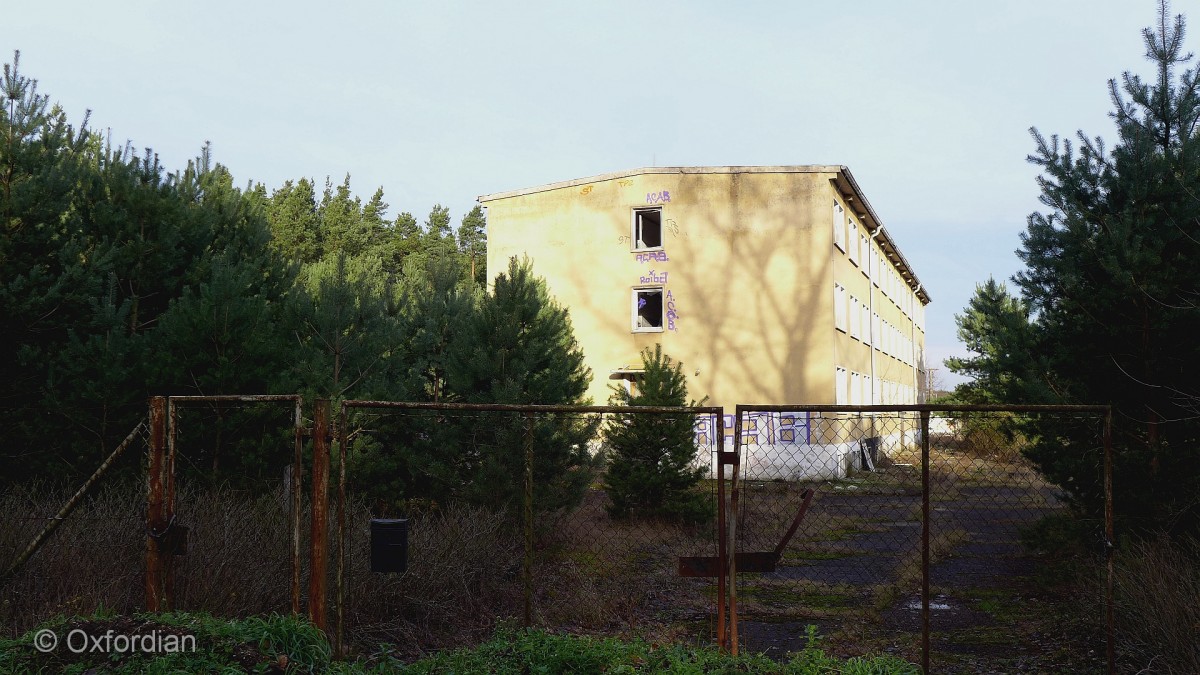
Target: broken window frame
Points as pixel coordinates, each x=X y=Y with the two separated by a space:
x=636 y=313
x=636 y=236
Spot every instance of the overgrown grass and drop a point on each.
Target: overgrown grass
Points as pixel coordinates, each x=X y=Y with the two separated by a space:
x=202 y=644
x=284 y=644
x=238 y=564
x=590 y=574
x=1157 y=597
x=541 y=652
x=1156 y=590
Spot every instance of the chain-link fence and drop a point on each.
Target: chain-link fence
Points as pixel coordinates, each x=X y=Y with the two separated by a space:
x=911 y=530
x=920 y=544
x=72 y=551
x=518 y=511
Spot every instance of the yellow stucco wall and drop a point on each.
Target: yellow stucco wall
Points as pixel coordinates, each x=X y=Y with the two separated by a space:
x=749 y=267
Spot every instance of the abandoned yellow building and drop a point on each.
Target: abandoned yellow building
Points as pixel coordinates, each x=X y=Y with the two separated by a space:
x=771 y=284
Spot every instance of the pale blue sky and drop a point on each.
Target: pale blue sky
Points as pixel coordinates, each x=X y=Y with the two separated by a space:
x=928 y=102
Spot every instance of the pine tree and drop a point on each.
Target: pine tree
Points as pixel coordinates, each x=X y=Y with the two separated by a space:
x=295 y=226
x=340 y=213
x=652 y=470
x=472 y=243
x=403 y=242
x=439 y=237
x=1112 y=279
x=520 y=348
x=100 y=245
x=346 y=320
x=997 y=329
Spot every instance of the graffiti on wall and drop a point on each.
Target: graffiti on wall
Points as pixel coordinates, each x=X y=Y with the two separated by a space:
x=652 y=256
x=660 y=197
x=759 y=428
x=653 y=277
x=672 y=313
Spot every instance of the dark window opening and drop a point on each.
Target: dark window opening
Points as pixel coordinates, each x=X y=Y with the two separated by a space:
x=649 y=309
x=647 y=228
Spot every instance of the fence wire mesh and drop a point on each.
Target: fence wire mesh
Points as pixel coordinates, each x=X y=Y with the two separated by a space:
x=827 y=516
x=64 y=550
x=92 y=561
x=855 y=566
x=459 y=476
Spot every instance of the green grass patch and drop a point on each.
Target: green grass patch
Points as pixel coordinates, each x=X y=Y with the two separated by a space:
x=286 y=644
x=997 y=603
x=169 y=643
x=540 y=652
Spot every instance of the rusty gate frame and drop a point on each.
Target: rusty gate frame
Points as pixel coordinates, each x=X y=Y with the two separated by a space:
x=924 y=410
x=724 y=551
x=160 y=491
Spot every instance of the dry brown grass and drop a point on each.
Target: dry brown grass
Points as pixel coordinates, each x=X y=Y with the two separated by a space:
x=591 y=574
x=1157 y=594
x=462 y=577
x=93 y=561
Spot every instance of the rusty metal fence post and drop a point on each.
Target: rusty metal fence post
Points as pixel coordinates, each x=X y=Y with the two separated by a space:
x=1109 y=548
x=527 y=571
x=319 y=546
x=924 y=541
x=733 y=513
x=723 y=548
x=297 y=504
x=339 y=633
x=155 y=518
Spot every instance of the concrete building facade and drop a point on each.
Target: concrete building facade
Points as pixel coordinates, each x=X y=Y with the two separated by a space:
x=772 y=285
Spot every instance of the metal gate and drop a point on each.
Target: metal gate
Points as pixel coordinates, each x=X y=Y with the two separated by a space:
x=885 y=525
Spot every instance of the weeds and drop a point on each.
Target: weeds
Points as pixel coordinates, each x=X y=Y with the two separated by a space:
x=1157 y=594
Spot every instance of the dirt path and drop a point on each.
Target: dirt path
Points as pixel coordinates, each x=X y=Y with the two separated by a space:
x=855 y=573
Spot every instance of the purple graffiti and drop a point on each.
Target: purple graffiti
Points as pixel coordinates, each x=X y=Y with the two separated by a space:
x=653 y=256
x=672 y=314
x=653 y=278
x=658 y=197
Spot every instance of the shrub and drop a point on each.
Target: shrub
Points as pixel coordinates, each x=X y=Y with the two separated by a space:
x=651 y=468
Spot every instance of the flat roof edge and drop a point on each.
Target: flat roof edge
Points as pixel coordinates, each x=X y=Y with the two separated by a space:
x=651 y=170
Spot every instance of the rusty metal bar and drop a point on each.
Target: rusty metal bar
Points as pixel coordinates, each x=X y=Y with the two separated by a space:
x=927 y=407
x=172 y=424
x=168 y=561
x=237 y=398
x=805 y=500
x=297 y=472
x=735 y=488
x=339 y=634
x=925 y=541
x=297 y=504
x=527 y=568
x=319 y=546
x=503 y=407
x=1110 y=546
x=155 y=523
x=67 y=508
x=722 y=533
